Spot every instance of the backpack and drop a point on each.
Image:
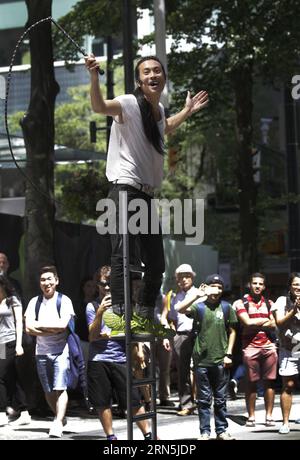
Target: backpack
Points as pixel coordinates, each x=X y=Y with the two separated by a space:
x=77 y=372
x=201 y=307
x=169 y=296
x=271 y=334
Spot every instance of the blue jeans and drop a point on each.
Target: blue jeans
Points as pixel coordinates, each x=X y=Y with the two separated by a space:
x=212 y=381
x=53 y=370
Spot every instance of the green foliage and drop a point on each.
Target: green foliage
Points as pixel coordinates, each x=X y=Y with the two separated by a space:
x=78 y=187
x=91 y=17
x=222 y=232
x=243 y=31
x=230 y=40
x=81 y=187
x=72 y=122
x=14 y=123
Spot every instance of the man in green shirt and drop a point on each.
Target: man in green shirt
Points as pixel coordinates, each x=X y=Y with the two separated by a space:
x=215 y=322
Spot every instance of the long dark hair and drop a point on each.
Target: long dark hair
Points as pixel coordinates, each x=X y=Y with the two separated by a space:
x=292 y=276
x=150 y=126
x=7 y=286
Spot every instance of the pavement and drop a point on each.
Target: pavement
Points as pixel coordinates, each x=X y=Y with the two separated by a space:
x=83 y=426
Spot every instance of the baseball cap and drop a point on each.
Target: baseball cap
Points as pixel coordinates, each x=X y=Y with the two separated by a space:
x=184 y=268
x=214 y=279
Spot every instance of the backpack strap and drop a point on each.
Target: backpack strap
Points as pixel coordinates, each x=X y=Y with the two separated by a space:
x=267 y=302
x=58 y=303
x=169 y=297
x=71 y=323
x=198 y=322
x=245 y=303
x=39 y=303
x=38 y=306
x=226 y=311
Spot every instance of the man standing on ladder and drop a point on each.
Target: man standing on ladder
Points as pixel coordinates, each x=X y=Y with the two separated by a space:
x=135 y=165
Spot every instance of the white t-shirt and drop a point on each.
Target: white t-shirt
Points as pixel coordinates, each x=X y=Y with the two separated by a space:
x=48 y=316
x=183 y=322
x=130 y=154
x=289 y=334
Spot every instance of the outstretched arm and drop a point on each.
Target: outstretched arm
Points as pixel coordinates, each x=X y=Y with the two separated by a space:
x=192 y=105
x=99 y=104
x=199 y=296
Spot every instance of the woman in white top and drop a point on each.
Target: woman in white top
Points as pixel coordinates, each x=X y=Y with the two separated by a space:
x=11 y=331
x=286 y=311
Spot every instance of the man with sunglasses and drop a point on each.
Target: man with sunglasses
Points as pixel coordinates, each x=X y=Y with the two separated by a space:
x=107 y=363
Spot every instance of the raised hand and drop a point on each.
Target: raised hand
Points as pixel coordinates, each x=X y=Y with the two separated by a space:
x=196 y=103
x=91 y=64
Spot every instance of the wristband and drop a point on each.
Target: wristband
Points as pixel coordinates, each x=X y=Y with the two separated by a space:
x=228 y=355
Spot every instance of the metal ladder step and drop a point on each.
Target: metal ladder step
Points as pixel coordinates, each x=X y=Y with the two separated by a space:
x=141 y=382
x=130 y=338
x=136 y=418
x=143 y=338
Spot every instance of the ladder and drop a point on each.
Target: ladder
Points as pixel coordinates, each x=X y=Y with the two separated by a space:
x=132 y=338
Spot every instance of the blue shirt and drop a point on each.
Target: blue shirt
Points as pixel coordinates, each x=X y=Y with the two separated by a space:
x=109 y=350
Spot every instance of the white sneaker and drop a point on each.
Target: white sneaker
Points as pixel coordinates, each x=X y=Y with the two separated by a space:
x=284 y=429
x=56 y=429
x=3 y=419
x=204 y=437
x=225 y=436
x=24 y=419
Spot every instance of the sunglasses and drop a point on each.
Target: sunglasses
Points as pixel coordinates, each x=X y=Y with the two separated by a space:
x=103 y=283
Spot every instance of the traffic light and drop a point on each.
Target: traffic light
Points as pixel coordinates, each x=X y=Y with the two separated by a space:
x=93 y=131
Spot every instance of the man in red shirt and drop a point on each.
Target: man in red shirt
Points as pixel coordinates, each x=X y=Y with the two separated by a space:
x=259 y=350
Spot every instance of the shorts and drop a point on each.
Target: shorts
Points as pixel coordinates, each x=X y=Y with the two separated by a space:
x=53 y=370
x=288 y=365
x=106 y=380
x=261 y=363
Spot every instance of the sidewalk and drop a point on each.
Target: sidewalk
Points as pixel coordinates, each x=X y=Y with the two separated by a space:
x=82 y=426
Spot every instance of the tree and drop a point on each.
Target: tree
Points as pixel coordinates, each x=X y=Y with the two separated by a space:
x=38 y=131
x=101 y=18
x=235 y=42
x=72 y=122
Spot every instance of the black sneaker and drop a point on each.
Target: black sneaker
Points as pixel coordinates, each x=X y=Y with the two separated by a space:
x=233 y=388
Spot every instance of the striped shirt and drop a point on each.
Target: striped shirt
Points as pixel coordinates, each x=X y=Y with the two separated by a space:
x=253 y=336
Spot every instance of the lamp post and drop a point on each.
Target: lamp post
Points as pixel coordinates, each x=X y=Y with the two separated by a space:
x=127 y=46
x=160 y=42
x=109 y=83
